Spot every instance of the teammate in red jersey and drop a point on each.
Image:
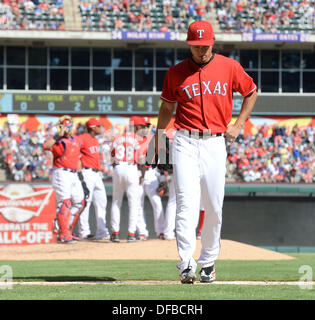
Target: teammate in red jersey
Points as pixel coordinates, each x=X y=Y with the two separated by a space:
x=67 y=178
x=202 y=86
x=91 y=170
x=124 y=151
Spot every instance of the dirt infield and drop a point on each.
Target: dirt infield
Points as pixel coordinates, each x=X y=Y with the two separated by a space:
x=144 y=250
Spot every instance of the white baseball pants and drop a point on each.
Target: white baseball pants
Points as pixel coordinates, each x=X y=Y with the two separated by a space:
x=141 y=219
x=98 y=197
x=170 y=212
x=149 y=186
x=125 y=178
x=67 y=186
x=199 y=171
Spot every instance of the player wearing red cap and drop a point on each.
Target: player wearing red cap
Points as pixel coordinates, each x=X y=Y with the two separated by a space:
x=66 y=176
x=202 y=86
x=124 y=151
x=91 y=170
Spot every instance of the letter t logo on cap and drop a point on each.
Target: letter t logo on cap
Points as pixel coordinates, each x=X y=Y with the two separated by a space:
x=200 y=33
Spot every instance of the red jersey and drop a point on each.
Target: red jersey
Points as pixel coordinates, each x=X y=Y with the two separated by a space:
x=124 y=148
x=204 y=96
x=143 y=147
x=90 y=149
x=66 y=153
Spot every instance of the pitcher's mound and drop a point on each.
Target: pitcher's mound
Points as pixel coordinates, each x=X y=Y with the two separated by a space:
x=143 y=250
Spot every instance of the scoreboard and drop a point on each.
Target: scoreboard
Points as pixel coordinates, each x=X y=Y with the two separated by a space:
x=138 y=103
x=84 y=103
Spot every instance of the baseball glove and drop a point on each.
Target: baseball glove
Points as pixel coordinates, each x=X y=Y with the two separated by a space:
x=162 y=189
x=163 y=160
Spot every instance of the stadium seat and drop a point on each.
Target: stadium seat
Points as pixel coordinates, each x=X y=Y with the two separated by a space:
x=156 y=14
x=31 y=16
x=261 y=8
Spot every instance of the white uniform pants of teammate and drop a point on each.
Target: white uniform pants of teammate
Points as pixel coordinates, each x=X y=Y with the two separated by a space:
x=98 y=197
x=199 y=170
x=149 y=186
x=125 y=178
x=170 y=212
x=67 y=186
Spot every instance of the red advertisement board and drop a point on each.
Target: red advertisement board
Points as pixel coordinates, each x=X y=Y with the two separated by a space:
x=26 y=214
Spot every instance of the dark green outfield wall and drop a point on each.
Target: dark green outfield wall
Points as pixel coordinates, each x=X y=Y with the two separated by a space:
x=256 y=220
x=270 y=221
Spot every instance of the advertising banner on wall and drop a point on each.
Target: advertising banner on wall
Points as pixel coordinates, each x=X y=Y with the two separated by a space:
x=276 y=37
x=26 y=214
x=145 y=35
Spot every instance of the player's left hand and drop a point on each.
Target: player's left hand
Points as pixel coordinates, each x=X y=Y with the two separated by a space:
x=162 y=189
x=232 y=132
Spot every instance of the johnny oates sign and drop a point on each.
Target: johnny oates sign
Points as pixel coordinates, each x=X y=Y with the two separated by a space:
x=26 y=214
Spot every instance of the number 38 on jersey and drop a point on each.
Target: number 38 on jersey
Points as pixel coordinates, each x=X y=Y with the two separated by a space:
x=124 y=148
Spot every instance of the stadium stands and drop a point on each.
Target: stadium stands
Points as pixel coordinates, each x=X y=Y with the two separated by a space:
x=273 y=155
x=154 y=15
x=267 y=16
x=169 y=15
x=32 y=15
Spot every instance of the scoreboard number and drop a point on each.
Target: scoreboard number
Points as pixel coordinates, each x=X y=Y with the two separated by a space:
x=23 y=105
x=51 y=106
x=77 y=106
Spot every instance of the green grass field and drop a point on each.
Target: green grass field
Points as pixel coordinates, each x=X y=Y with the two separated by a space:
x=96 y=270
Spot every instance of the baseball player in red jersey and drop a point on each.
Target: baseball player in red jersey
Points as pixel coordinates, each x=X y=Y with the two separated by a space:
x=125 y=179
x=149 y=183
x=66 y=176
x=202 y=86
x=91 y=166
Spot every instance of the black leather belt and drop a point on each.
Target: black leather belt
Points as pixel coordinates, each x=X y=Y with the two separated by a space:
x=200 y=135
x=69 y=170
x=95 y=170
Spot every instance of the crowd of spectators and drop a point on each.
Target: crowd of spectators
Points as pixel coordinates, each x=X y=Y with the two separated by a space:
x=22 y=157
x=143 y=15
x=257 y=16
x=269 y=16
x=32 y=15
x=274 y=154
